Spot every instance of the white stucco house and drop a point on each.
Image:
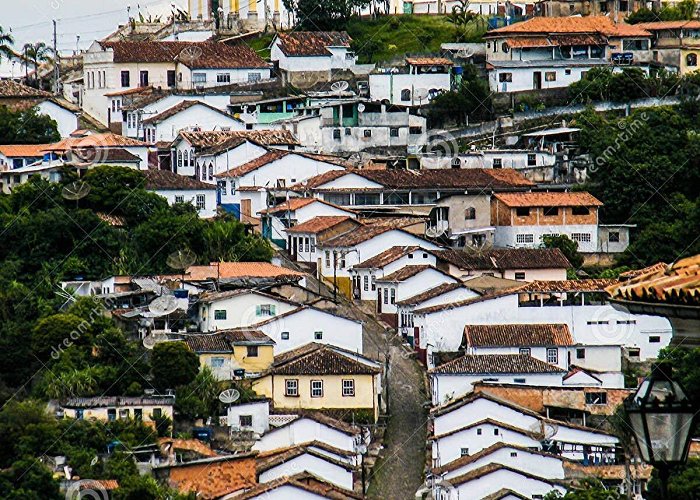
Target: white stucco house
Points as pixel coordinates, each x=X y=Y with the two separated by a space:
x=253 y=416
x=303 y=238
x=239 y=308
x=178 y=189
x=415 y=84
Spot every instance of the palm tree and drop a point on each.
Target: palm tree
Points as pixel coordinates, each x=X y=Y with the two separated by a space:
x=6 y=42
x=37 y=54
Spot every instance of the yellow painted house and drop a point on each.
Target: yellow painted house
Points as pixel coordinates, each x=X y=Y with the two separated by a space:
x=233 y=353
x=322 y=377
x=108 y=408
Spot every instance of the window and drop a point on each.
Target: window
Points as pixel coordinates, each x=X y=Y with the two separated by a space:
x=254 y=77
x=520 y=276
x=463 y=452
x=336 y=133
x=614 y=237
x=170 y=77
x=504 y=47
x=386 y=295
x=199 y=78
x=628 y=45
x=596 y=398
x=318 y=335
x=531 y=159
x=367 y=133
x=111 y=414
x=415 y=130
x=505 y=77
x=328 y=258
x=220 y=314
x=654 y=339
x=338 y=198
x=313 y=243
x=179 y=198
x=580 y=353
x=125 y=78
x=300 y=244
x=284 y=335
x=456 y=163
x=524 y=350
x=552 y=355
x=252 y=351
x=550 y=76
x=265 y=310
x=601 y=322
x=495 y=432
x=581 y=237
x=348 y=388
x=524 y=238
x=551 y=211
x=520 y=380
x=470 y=213
x=580 y=211
x=374 y=284
x=393 y=295
x=634 y=352
x=497 y=163
x=200 y=202
x=348 y=131
x=406 y=95
x=522 y=211
x=143 y=78
x=478 y=432
x=306 y=243
x=138 y=414
x=291 y=387
x=626 y=321
x=567 y=72
x=393 y=132
x=691 y=60
x=223 y=78
x=317 y=388
x=365 y=283
x=124 y=414
x=245 y=420
x=513 y=454
x=216 y=362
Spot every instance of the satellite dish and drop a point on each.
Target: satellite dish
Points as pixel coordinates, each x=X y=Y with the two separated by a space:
x=360 y=108
x=549 y=430
x=339 y=86
x=76 y=190
x=433 y=232
x=229 y=396
x=149 y=342
x=465 y=53
x=420 y=94
x=181 y=259
x=165 y=304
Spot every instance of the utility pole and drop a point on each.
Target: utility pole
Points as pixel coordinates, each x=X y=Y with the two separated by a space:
x=56 y=61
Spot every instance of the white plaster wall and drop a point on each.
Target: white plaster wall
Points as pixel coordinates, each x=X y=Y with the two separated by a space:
x=304 y=430
x=236 y=75
x=303 y=324
x=66 y=120
x=389 y=86
x=190 y=196
x=523 y=77
x=446 y=387
x=259 y=410
x=478 y=410
x=319 y=467
x=240 y=310
x=425 y=280
x=196 y=116
x=532 y=463
x=490 y=483
x=506 y=235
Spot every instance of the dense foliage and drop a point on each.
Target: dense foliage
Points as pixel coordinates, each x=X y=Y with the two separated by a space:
x=603 y=84
x=27 y=127
x=329 y=15
x=471 y=101
x=683 y=10
x=646 y=170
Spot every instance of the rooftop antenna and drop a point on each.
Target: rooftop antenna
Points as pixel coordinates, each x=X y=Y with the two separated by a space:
x=163 y=305
x=229 y=396
x=420 y=94
x=339 y=87
x=76 y=190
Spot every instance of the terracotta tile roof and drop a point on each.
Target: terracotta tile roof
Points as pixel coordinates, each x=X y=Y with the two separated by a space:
x=269 y=459
x=105 y=401
x=303 y=481
x=191 y=54
x=320 y=224
x=188 y=444
x=226 y=270
x=322 y=359
x=290 y=204
x=565 y=25
x=13 y=89
x=659 y=266
x=386 y=257
x=486 y=284
x=505 y=258
x=261 y=161
x=179 y=107
x=98 y=140
x=213 y=141
x=458 y=179
x=404 y=273
x=23 y=150
x=98 y=484
x=492 y=421
x=486 y=296
x=678 y=284
x=224 y=340
x=551 y=199
x=312 y=43
x=535 y=41
x=431 y=293
x=428 y=61
x=165 y=179
x=466 y=399
x=588 y=285
x=638 y=470
x=116 y=155
x=669 y=25
x=137 y=90
x=395 y=222
x=468 y=459
x=319 y=180
x=530 y=335
x=488 y=364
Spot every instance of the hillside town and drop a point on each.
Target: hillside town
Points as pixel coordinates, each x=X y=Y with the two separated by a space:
x=349 y=249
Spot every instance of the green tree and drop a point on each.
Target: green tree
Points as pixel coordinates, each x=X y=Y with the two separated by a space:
x=470 y=101
x=587 y=489
x=683 y=484
x=568 y=247
x=37 y=53
x=27 y=127
x=199 y=398
x=28 y=479
x=55 y=333
x=173 y=364
x=329 y=15
x=6 y=42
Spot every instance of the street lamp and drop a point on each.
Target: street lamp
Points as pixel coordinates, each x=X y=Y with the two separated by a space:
x=661 y=416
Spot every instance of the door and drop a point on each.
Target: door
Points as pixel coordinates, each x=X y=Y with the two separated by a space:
x=379 y=300
x=245 y=208
x=537 y=80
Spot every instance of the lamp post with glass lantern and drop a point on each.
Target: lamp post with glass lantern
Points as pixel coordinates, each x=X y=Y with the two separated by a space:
x=661 y=417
